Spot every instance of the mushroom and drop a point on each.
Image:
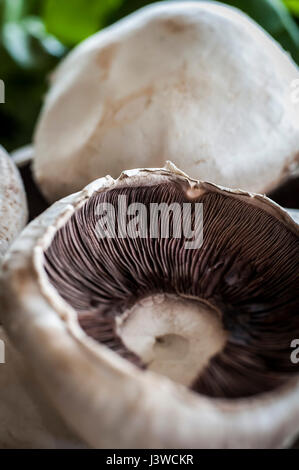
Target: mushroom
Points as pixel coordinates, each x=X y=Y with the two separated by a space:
x=198 y=83
x=25 y=420
x=145 y=342
x=294 y=213
x=13 y=208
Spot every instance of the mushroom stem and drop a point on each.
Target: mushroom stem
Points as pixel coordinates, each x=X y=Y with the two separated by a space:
x=173 y=336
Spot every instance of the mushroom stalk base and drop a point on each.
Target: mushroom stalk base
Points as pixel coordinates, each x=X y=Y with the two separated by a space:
x=173 y=336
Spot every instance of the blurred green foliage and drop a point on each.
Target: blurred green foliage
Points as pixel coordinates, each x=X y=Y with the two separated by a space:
x=71 y=22
x=293 y=6
x=36 y=34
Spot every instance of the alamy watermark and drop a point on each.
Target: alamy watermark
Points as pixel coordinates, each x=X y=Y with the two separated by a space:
x=2 y=92
x=295 y=353
x=154 y=220
x=2 y=352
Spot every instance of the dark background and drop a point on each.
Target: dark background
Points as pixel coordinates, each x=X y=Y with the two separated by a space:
x=36 y=34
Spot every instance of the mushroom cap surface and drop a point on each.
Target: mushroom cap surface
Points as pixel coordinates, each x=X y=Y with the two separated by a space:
x=197 y=83
x=13 y=205
x=106 y=400
x=27 y=419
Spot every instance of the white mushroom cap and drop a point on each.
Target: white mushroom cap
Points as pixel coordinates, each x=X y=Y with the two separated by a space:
x=294 y=213
x=198 y=83
x=106 y=400
x=13 y=206
x=27 y=421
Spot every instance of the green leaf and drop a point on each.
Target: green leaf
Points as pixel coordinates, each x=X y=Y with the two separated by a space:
x=17 y=42
x=73 y=21
x=293 y=6
x=24 y=90
x=13 y=11
x=28 y=54
x=36 y=28
x=127 y=7
x=28 y=43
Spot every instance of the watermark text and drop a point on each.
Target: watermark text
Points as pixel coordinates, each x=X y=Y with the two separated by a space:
x=2 y=92
x=164 y=221
x=295 y=353
x=2 y=352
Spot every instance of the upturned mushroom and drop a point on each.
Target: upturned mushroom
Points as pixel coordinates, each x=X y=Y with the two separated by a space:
x=198 y=83
x=25 y=420
x=13 y=207
x=294 y=213
x=139 y=339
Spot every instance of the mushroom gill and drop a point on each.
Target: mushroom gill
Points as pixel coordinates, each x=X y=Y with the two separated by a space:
x=219 y=318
